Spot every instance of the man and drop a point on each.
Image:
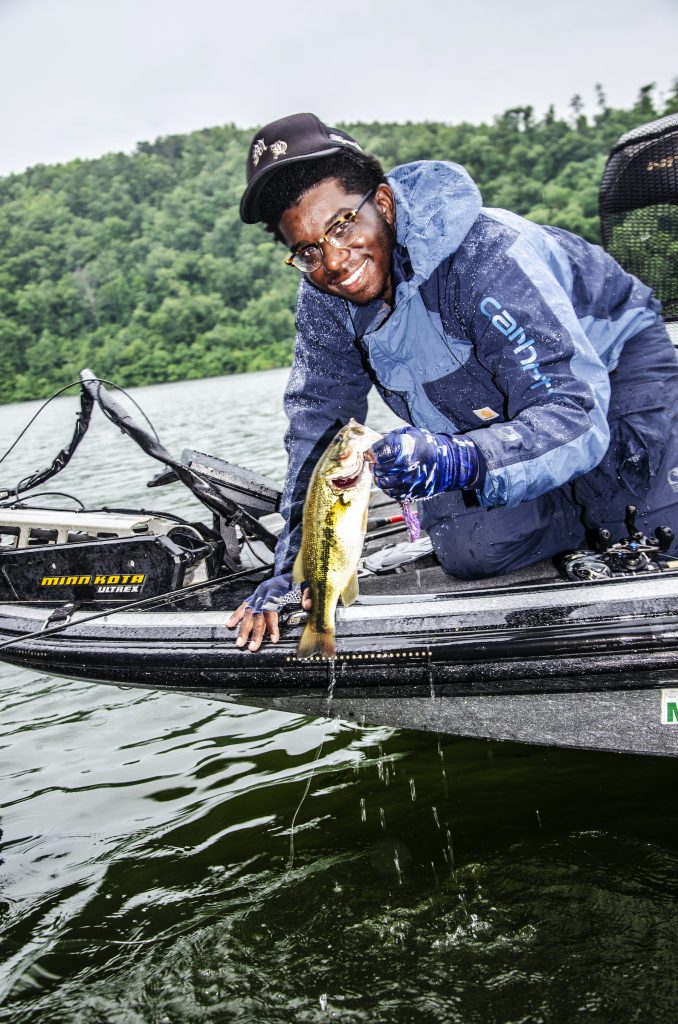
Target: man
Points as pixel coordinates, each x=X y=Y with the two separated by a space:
x=537 y=375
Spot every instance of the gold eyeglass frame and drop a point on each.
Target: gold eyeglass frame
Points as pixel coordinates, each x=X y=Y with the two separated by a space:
x=327 y=237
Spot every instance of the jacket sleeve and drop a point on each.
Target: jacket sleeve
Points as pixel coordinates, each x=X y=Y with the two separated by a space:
x=327 y=386
x=527 y=336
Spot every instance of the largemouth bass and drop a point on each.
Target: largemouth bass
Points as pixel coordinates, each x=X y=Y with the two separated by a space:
x=334 y=525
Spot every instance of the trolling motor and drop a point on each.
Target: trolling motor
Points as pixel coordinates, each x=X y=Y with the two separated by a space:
x=633 y=555
x=115 y=555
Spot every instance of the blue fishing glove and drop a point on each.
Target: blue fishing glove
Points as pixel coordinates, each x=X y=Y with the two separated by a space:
x=275 y=593
x=413 y=463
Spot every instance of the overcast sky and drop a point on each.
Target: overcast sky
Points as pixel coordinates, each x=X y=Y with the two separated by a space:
x=79 y=78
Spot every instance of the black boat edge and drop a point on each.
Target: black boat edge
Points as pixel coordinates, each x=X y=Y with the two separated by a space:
x=585 y=665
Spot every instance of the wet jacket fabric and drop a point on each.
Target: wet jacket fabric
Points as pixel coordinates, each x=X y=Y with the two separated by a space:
x=502 y=329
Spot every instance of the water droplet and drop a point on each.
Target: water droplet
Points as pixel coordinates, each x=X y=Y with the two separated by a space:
x=435 y=817
x=382 y=817
x=444 y=777
x=396 y=861
x=323 y=1001
x=539 y=819
x=413 y=790
x=363 y=809
x=450 y=849
x=332 y=680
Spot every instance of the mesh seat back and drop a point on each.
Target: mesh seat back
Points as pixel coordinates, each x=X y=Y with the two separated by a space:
x=638 y=205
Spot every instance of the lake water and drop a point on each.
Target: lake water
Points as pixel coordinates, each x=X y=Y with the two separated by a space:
x=146 y=874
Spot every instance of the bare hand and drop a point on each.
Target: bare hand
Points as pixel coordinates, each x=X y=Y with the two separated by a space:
x=253 y=626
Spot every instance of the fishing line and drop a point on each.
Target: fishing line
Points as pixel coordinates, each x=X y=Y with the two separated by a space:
x=290 y=859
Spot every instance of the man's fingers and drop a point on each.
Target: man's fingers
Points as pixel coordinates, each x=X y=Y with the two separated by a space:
x=253 y=627
x=245 y=627
x=271 y=620
x=258 y=630
x=306 y=602
x=236 y=616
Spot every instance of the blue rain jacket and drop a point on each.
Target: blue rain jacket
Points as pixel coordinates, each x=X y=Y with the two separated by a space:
x=502 y=329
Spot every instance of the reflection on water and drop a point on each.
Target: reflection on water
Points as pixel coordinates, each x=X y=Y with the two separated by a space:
x=146 y=872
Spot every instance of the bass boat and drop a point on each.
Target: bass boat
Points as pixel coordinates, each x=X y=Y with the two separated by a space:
x=582 y=654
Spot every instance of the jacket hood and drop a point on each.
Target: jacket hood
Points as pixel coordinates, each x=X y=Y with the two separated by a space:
x=436 y=205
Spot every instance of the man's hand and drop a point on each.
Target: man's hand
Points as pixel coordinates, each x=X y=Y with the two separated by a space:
x=413 y=463
x=259 y=612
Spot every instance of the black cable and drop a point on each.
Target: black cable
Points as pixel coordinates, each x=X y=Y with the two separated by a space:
x=18 y=502
x=77 y=383
x=100 y=380
x=253 y=553
x=31 y=421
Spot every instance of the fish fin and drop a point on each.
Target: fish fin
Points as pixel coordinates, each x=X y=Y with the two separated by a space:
x=313 y=642
x=350 y=591
x=298 y=574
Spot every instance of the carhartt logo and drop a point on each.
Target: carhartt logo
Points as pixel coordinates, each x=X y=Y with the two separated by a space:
x=507 y=433
x=669 y=707
x=513 y=332
x=485 y=413
x=278 y=148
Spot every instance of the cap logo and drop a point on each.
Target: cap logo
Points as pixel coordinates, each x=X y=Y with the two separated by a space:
x=258 y=150
x=278 y=148
x=345 y=142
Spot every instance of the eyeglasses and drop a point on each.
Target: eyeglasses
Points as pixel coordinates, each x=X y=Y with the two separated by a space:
x=341 y=234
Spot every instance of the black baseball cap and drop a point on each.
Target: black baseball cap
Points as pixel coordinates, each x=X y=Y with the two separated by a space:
x=289 y=140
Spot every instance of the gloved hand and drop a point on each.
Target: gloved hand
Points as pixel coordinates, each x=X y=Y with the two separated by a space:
x=413 y=463
x=273 y=594
x=259 y=612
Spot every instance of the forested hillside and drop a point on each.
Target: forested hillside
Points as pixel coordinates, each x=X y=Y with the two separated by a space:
x=138 y=265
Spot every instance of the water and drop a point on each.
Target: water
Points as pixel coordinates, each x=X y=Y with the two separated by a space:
x=146 y=868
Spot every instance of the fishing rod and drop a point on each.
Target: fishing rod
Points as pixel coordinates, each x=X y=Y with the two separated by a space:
x=146 y=602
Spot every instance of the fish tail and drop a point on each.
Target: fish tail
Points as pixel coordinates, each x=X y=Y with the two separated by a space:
x=315 y=641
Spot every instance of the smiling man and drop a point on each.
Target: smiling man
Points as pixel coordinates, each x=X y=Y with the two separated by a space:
x=538 y=377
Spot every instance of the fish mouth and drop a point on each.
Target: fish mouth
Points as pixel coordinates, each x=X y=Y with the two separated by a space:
x=351 y=479
x=344 y=483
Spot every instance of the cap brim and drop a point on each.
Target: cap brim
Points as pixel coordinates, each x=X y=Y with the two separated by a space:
x=249 y=204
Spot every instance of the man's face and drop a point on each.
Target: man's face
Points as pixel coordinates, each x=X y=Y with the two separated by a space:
x=361 y=273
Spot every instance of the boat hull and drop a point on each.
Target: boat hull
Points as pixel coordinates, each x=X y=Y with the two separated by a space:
x=571 y=664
